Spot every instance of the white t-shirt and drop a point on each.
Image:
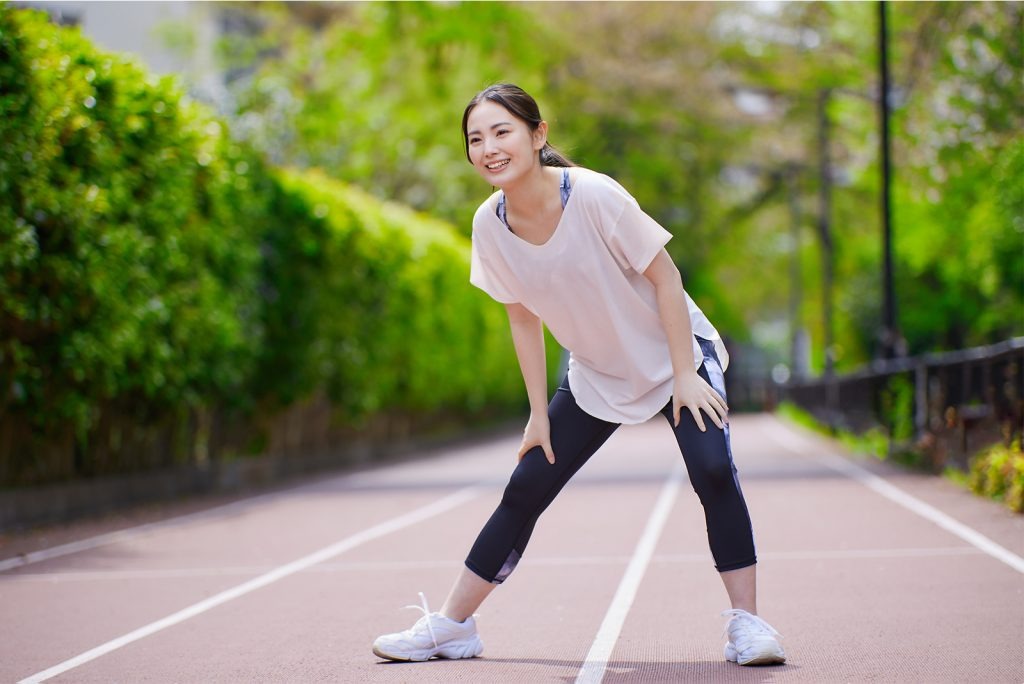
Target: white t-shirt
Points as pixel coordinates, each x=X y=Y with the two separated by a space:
x=587 y=284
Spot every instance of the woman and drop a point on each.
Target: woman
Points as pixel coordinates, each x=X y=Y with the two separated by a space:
x=570 y=248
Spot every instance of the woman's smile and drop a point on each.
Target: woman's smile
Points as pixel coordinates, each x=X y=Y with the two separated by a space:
x=498 y=165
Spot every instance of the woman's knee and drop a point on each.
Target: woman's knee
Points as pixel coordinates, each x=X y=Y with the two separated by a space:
x=525 y=490
x=714 y=472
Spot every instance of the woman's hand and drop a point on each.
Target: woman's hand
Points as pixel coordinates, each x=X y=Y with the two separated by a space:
x=693 y=392
x=537 y=433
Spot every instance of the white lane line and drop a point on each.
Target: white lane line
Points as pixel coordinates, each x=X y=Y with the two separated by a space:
x=880 y=486
x=146 y=528
x=413 y=517
x=594 y=666
x=82 y=545
x=356 y=479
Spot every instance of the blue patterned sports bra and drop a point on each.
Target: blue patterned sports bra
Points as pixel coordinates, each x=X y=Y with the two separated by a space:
x=565 y=189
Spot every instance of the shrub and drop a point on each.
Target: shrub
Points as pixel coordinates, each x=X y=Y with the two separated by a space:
x=153 y=273
x=129 y=271
x=385 y=316
x=998 y=473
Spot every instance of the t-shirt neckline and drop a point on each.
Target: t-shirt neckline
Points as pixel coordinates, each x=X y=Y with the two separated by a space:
x=558 y=226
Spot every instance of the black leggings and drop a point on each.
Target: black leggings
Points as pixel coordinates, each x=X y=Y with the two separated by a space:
x=575 y=436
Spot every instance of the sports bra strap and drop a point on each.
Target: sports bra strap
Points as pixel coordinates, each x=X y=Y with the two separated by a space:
x=565 y=188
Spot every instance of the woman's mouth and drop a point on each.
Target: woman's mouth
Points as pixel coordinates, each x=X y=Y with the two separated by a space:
x=498 y=165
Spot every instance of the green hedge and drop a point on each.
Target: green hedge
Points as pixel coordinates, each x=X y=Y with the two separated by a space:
x=383 y=296
x=128 y=222
x=153 y=272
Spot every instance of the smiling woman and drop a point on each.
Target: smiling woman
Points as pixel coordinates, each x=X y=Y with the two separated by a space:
x=570 y=248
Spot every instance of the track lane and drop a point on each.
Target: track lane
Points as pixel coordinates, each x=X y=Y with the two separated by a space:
x=852 y=579
x=340 y=615
x=863 y=588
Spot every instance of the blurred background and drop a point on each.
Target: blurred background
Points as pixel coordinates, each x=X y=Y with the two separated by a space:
x=237 y=233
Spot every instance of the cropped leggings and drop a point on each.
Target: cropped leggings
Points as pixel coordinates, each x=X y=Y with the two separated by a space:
x=575 y=436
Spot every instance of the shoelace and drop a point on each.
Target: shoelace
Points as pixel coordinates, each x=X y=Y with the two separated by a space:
x=758 y=624
x=426 y=613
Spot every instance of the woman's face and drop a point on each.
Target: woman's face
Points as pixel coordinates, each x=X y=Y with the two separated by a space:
x=502 y=148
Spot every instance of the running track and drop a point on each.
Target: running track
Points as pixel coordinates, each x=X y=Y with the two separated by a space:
x=871 y=574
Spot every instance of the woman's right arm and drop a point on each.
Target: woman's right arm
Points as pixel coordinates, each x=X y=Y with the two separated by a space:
x=528 y=338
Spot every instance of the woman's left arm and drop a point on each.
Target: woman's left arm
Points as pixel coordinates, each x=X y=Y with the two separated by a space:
x=689 y=389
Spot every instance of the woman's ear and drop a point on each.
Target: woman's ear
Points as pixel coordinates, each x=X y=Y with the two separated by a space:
x=540 y=135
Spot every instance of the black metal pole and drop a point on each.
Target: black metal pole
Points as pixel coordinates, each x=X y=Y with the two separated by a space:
x=824 y=221
x=795 y=275
x=889 y=327
x=825 y=234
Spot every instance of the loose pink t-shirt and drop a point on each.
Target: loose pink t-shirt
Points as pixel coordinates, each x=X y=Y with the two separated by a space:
x=587 y=284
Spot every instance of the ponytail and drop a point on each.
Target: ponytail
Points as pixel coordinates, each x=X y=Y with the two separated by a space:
x=549 y=156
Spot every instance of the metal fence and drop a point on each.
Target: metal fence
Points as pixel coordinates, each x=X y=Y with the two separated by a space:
x=944 y=406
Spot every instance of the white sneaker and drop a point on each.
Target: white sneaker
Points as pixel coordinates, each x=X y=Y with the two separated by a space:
x=433 y=636
x=751 y=640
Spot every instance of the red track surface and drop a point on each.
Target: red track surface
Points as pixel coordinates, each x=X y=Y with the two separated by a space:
x=864 y=589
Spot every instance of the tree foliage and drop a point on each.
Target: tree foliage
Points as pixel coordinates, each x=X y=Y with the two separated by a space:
x=372 y=93
x=956 y=127
x=659 y=95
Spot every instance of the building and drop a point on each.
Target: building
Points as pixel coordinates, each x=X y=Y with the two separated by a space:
x=166 y=37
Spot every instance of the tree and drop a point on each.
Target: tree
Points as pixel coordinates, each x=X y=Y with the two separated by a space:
x=708 y=113
x=373 y=93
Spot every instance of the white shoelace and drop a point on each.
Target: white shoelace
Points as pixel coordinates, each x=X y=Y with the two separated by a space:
x=426 y=613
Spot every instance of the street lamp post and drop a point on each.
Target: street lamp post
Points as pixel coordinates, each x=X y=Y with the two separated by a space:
x=825 y=222
x=890 y=332
x=797 y=340
x=827 y=257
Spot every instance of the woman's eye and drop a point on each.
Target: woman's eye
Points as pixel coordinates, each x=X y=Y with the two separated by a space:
x=473 y=141
x=502 y=132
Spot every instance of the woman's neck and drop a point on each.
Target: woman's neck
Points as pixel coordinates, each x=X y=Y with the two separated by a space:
x=533 y=193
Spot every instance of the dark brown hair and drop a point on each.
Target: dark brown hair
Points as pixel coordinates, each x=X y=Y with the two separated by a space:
x=521 y=105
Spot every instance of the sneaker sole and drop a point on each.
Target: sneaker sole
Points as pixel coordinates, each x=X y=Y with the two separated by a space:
x=457 y=650
x=763 y=659
x=766 y=659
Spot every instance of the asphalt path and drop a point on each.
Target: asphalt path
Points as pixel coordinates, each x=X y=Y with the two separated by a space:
x=872 y=574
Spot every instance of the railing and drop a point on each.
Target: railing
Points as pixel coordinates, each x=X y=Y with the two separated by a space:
x=945 y=406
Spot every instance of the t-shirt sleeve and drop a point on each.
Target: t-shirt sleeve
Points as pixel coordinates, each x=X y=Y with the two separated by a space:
x=490 y=274
x=633 y=237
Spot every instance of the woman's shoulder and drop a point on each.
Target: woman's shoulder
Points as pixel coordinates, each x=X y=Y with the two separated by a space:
x=486 y=210
x=596 y=186
x=582 y=176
